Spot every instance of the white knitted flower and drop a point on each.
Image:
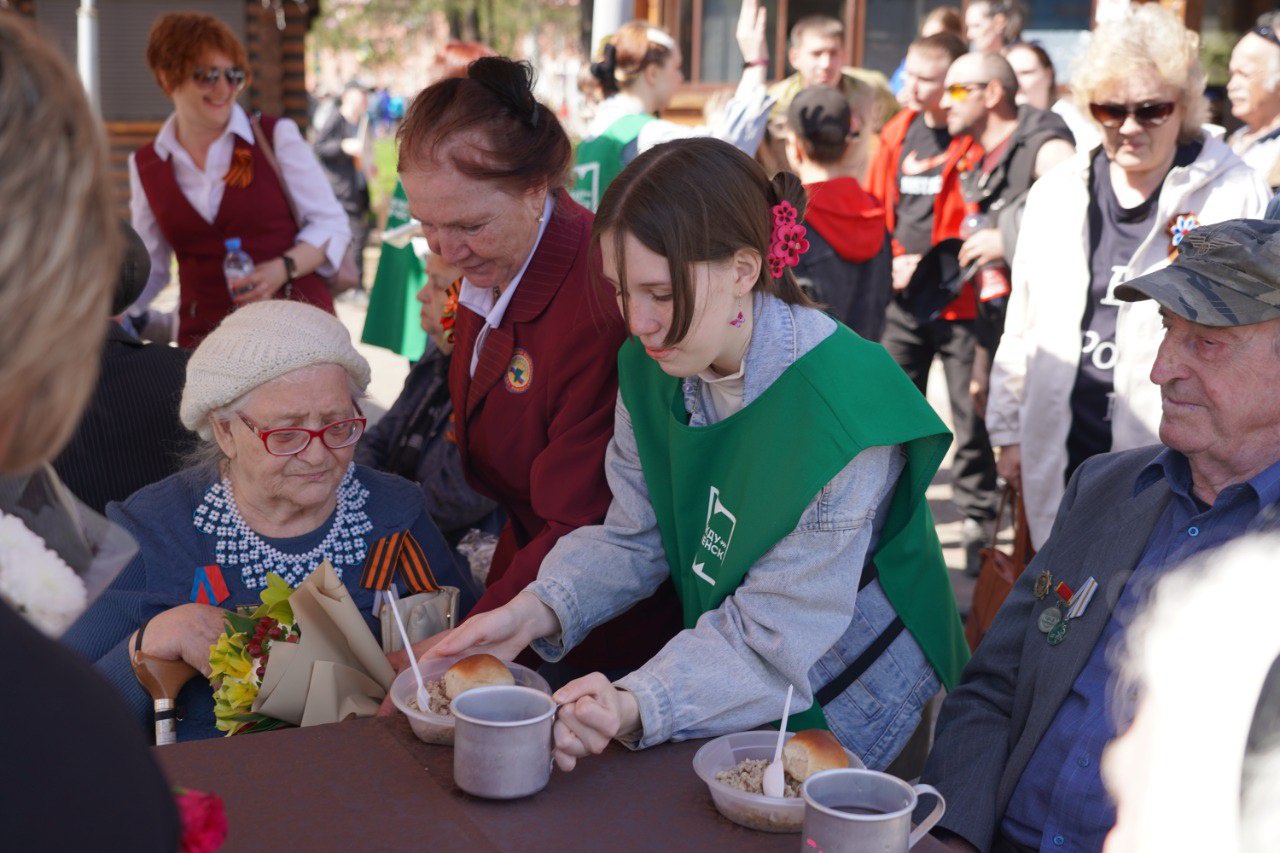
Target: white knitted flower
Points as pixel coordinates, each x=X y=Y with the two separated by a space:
x=37 y=582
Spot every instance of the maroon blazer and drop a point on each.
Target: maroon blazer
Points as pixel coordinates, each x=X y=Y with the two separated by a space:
x=534 y=422
x=258 y=214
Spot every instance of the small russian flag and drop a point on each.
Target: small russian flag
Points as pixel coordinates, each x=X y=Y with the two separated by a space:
x=209 y=587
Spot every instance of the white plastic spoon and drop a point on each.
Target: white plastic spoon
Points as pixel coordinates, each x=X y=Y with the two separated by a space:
x=774 y=774
x=424 y=703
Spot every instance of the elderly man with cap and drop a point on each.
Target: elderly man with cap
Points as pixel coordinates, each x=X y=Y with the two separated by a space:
x=1019 y=740
x=849 y=265
x=272 y=392
x=1254 y=92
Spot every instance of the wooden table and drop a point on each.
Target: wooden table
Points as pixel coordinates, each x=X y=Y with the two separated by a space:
x=371 y=785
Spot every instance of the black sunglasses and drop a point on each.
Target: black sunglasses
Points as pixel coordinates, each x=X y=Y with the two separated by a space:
x=1267 y=33
x=1147 y=115
x=207 y=78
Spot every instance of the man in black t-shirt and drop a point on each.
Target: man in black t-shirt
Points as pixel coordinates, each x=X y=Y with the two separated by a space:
x=916 y=174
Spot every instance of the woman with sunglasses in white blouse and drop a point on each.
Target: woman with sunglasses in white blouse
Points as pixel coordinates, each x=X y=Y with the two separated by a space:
x=1071 y=376
x=206 y=179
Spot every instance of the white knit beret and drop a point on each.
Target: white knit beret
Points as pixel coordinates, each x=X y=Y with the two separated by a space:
x=257 y=343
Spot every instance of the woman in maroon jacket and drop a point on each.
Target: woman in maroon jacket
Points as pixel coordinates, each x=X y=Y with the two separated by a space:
x=534 y=374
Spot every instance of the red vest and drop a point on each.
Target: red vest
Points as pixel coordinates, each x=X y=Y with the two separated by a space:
x=258 y=214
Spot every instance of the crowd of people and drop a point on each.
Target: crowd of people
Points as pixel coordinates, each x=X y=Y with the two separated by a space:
x=666 y=439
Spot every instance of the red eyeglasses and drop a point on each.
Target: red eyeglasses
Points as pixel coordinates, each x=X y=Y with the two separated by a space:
x=290 y=441
x=1147 y=115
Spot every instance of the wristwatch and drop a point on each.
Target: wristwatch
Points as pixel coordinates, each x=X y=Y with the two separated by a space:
x=764 y=61
x=290 y=269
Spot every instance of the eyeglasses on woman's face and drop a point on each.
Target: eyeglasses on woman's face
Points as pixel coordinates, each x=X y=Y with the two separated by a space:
x=1145 y=114
x=207 y=77
x=290 y=441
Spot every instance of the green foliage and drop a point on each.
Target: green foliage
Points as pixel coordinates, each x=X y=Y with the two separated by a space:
x=502 y=24
x=383 y=183
x=1215 y=54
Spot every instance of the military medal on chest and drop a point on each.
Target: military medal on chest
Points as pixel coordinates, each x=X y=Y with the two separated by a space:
x=1054 y=620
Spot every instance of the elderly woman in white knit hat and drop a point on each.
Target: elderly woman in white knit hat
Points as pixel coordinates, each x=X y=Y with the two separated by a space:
x=273 y=392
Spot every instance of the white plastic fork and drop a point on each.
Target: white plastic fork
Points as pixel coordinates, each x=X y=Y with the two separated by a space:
x=774 y=774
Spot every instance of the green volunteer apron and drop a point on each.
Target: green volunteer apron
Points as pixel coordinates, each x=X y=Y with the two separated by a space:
x=725 y=494
x=394 y=320
x=599 y=160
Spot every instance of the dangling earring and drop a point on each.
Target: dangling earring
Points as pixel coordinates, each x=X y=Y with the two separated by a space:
x=736 y=322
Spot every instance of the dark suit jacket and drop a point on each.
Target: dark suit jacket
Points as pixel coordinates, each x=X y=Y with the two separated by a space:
x=1012 y=688
x=130 y=435
x=533 y=424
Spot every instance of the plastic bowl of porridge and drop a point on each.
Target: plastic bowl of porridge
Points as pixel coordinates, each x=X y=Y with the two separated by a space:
x=437 y=726
x=754 y=811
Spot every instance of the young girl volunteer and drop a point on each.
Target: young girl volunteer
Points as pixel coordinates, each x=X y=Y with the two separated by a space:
x=639 y=72
x=769 y=461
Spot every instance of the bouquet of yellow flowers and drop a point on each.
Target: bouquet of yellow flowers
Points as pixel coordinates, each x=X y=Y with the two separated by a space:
x=239 y=659
x=305 y=657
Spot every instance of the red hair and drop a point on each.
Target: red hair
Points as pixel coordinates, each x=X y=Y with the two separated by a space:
x=179 y=42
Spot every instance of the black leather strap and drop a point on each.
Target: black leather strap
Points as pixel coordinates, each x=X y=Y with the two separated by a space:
x=869 y=655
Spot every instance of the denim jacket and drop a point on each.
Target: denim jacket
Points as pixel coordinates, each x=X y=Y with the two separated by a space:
x=798 y=617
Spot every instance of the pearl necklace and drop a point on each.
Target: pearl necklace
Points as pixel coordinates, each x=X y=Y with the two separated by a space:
x=238 y=546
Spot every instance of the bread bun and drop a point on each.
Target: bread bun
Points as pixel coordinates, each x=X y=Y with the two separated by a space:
x=475 y=671
x=813 y=751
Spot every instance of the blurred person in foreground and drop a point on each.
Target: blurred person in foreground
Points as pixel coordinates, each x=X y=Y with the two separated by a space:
x=130 y=435
x=273 y=394
x=394 y=318
x=205 y=178
x=1019 y=741
x=1070 y=377
x=79 y=773
x=848 y=267
x=1254 y=92
x=1199 y=768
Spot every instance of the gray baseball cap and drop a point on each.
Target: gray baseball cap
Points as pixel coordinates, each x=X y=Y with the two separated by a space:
x=1225 y=274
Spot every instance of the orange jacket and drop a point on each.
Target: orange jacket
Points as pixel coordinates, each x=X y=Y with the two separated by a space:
x=949 y=207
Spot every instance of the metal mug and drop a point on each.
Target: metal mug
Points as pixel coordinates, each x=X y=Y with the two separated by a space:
x=502 y=741
x=862 y=810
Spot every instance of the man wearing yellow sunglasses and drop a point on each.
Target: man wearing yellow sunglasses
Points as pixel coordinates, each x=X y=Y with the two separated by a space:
x=1019 y=145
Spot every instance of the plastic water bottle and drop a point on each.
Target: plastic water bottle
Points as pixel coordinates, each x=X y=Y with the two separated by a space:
x=236 y=266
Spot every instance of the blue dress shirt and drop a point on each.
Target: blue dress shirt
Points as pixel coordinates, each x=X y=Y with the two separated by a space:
x=1060 y=803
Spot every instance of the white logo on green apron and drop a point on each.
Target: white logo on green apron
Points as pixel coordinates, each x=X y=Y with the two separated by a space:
x=586 y=189
x=715 y=538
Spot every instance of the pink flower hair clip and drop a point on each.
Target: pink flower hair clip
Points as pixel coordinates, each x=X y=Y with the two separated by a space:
x=787 y=242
